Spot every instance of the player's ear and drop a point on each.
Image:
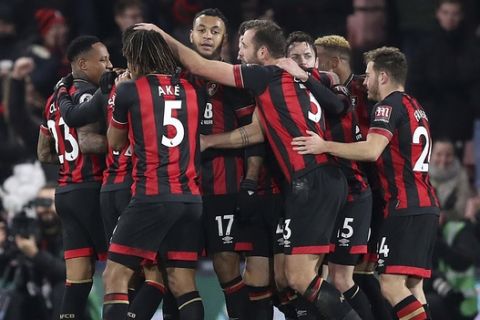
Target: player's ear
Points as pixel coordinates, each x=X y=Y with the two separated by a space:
x=191 y=36
x=335 y=62
x=82 y=64
x=383 y=77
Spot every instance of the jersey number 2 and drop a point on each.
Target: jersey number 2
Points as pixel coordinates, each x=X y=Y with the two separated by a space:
x=422 y=163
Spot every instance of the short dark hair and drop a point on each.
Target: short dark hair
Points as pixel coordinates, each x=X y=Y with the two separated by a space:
x=212 y=12
x=148 y=52
x=391 y=60
x=300 y=36
x=80 y=45
x=122 y=5
x=442 y=2
x=268 y=34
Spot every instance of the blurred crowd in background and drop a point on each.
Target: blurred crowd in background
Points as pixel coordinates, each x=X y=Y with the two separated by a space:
x=442 y=44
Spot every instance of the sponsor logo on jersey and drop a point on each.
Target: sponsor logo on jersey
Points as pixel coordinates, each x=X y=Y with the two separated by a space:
x=383 y=113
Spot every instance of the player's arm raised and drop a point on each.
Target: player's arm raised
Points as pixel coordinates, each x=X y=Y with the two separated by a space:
x=117 y=133
x=218 y=71
x=238 y=138
x=369 y=150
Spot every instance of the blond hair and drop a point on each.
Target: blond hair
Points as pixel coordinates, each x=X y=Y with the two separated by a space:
x=336 y=44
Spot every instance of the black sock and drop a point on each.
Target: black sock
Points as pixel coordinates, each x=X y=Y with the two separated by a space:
x=408 y=308
x=286 y=305
x=236 y=298
x=359 y=302
x=75 y=299
x=371 y=287
x=426 y=307
x=330 y=303
x=261 y=304
x=146 y=301
x=115 y=306
x=190 y=306
x=169 y=307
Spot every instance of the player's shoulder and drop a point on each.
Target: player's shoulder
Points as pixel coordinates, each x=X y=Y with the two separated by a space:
x=82 y=90
x=395 y=100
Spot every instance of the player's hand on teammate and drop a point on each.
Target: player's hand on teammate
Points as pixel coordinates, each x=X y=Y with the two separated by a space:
x=203 y=142
x=22 y=67
x=148 y=27
x=293 y=68
x=311 y=144
x=246 y=201
x=64 y=84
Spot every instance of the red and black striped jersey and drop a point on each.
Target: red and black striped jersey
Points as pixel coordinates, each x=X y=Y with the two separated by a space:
x=162 y=116
x=118 y=173
x=345 y=128
x=227 y=108
x=403 y=165
x=286 y=110
x=76 y=170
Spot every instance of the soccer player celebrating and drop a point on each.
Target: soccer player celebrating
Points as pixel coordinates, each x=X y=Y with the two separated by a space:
x=399 y=141
x=335 y=54
x=160 y=113
x=317 y=188
x=80 y=174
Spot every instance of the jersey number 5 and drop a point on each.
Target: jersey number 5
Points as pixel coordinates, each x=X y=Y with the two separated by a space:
x=169 y=120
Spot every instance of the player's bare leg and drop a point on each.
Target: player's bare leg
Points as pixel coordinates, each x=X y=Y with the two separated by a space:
x=404 y=303
x=77 y=286
x=258 y=277
x=227 y=268
x=181 y=282
x=115 y=280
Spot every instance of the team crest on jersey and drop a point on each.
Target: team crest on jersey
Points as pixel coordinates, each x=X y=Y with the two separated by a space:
x=85 y=97
x=212 y=88
x=383 y=113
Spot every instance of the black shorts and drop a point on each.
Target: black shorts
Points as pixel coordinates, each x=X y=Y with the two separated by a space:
x=406 y=245
x=112 y=204
x=311 y=207
x=378 y=207
x=263 y=228
x=82 y=226
x=223 y=233
x=145 y=228
x=349 y=241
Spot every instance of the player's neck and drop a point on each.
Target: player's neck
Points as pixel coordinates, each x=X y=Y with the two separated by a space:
x=269 y=62
x=343 y=74
x=387 y=90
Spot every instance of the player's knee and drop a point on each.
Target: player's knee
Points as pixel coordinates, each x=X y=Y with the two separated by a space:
x=389 y=287
x=79 y=268
x=116 y=275
x=296 y=280
x=342 y=281
x=257 y=271
x=181 y=280
x=226 y=265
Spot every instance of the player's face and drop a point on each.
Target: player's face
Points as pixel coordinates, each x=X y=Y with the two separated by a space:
x=248 y=52
x=449 y=16
x=302 y=53
x=371 y=82
x=96 y=62
x=443 y=155
x=207 y=36
x=325 y=62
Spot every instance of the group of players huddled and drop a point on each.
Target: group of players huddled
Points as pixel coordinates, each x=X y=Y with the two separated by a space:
x=283 y=160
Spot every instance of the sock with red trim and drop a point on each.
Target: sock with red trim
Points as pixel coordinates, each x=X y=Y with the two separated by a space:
x=371 y=287
x=286 y=303
x=410 y=308
x=115 y=306
x=330 y=303
x=359 y=302
x=75 y=299
x=169 y=307
x=261 y=304
x=236 y=298
x=146 y=301
x=190 y=306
